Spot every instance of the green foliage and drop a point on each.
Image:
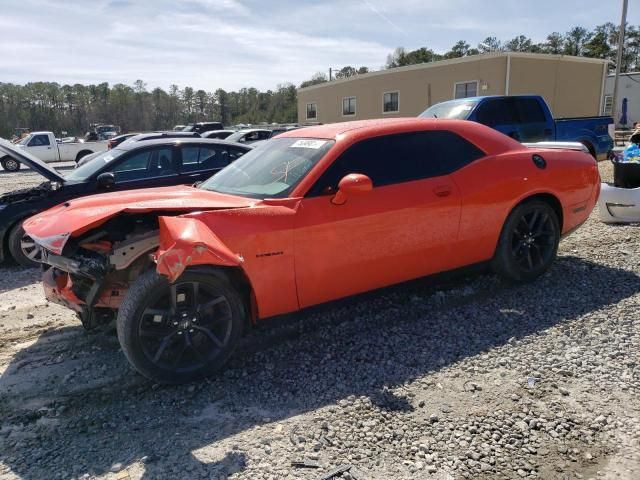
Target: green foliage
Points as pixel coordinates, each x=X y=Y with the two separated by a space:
x=601 y=42
x=71 y=108
x=316 y=79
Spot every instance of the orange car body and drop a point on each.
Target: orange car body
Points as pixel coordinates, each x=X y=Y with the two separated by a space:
x=303 y=250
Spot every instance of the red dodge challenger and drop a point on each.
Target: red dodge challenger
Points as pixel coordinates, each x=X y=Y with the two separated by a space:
x=310 y=216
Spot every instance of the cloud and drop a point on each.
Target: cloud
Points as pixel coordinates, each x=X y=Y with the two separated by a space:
x=232 y=44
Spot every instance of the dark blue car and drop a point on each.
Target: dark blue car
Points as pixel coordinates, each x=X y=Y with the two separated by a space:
x=131 y=165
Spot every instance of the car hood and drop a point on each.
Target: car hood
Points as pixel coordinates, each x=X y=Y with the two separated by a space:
x=52 y=228
x=19 y=154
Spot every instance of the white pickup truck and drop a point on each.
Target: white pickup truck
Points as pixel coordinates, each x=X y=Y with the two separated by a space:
x=45 y=146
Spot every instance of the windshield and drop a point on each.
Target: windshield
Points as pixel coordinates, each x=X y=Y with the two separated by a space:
x=459 y=109
x=271 y=170
x=92 y=166
x=235 y=137
x=25 y=140
x=188 y=128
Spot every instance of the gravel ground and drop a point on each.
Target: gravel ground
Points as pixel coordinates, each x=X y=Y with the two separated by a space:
x=456 y=377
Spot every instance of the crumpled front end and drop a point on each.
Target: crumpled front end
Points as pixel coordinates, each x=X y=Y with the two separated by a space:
x=186 y=242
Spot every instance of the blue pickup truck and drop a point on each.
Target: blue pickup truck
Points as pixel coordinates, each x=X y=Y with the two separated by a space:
x=527 y=118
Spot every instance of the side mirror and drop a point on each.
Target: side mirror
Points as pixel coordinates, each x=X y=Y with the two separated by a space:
x=106 y=180
x=352 y=184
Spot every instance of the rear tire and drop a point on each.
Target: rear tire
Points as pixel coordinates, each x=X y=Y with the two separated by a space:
x=180 y=332
x=528 y=242
x=22 y=248
x=9 y=164
x=82 y=154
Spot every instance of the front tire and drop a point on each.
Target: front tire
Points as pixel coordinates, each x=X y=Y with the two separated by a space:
x=528 y=242
x=22 y=247
x=180 y=332
x=9 y=164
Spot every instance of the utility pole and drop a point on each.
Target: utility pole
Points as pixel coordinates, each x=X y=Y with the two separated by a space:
x=623 y=24
x=329 y=73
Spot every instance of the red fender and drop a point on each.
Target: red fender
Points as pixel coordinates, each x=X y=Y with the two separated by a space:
x=186 y=242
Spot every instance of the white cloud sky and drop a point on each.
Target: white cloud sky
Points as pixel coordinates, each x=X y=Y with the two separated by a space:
x=232 y=44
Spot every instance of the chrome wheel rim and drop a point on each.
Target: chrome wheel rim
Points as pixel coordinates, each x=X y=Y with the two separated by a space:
x=29 y=248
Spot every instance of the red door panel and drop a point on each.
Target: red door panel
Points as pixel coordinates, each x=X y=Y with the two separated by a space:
x=388 y=235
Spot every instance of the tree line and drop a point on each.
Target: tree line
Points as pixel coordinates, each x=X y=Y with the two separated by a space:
x=71 y=108
x=601 y=42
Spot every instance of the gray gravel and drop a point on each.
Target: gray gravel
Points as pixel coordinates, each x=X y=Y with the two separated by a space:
x=455 y=377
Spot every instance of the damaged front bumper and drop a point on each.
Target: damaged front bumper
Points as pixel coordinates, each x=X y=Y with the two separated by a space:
x=80 y=284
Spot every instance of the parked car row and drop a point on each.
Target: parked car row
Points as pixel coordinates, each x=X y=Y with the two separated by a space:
x=309 y=216
x=47 y=148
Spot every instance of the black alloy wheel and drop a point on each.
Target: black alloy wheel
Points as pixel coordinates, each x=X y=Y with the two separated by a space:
x=174 y=333
x=528 y=242
x=533 y=240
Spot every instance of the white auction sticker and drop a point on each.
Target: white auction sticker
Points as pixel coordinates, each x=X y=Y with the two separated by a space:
x=315 y=144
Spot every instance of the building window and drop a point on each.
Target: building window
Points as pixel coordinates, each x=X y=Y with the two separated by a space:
x=348 y=106
x=465 y=89
x=312 y=111
x=607 y=106
x=390 y=102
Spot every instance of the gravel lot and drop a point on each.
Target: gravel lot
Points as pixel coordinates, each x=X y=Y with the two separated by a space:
x=456 y=377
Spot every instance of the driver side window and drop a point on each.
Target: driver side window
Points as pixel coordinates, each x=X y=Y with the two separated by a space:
x=386 y=160
x=146 y=164
x=39 y=141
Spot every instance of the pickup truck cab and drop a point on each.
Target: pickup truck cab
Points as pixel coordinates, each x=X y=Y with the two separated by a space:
x=45 y=146
x=527 y=118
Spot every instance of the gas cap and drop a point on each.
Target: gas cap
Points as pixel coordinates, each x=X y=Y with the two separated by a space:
x=539 y=162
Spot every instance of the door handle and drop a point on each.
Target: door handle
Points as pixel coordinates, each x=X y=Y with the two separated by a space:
x=48 y=148
x=442 y=190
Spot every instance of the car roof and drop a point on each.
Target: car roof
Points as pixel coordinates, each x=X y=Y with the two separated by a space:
x=251 y=130
x=177 y=141
x=486 y=138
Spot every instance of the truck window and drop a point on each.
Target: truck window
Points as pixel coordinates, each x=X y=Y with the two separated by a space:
x=39 y=141
x=529 y=110
x=496 y=112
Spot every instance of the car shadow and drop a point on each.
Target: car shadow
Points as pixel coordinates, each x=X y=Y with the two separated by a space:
x=20 y=276
x=89 y=411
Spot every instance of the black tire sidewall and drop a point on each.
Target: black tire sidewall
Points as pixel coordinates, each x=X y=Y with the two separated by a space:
x=13 y=241
x=504 y=264
x=130 y=312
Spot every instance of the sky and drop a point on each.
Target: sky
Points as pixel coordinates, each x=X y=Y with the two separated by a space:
x=232 y=44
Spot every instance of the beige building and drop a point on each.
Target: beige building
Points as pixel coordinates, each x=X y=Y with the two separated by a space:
x=572 y=86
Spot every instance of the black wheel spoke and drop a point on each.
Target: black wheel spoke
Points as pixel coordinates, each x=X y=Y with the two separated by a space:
x=529 y=259
x=541 y=224
x=156 y=311
x=178 y=357
x=211 y=335
x=194 y=348
x=185 y=325
x=211 y=304
x=163 y=346
x=174 y=299
x=532 y=221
